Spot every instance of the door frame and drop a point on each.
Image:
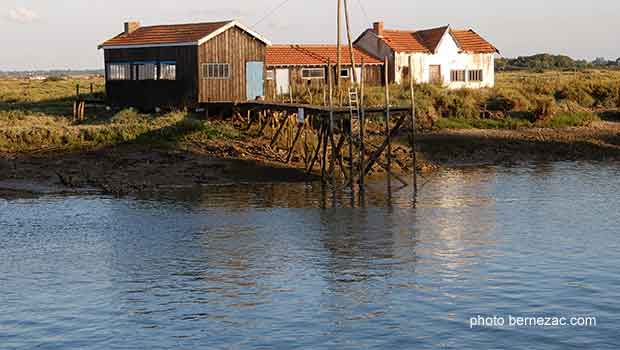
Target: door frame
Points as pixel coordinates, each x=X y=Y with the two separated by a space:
x=430 y=74
x=277 y=81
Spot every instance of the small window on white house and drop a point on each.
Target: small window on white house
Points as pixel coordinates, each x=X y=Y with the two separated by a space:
x=345 y=73
x=270 y=74
x=146 y=71
x=457 y=75
x=313 y=73
x=168 y=71
x=475 y=75
x=119 y=71
x=216 y=71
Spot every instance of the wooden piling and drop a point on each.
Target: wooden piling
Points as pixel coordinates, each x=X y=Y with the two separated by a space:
x=362 y=127
x=324 y=159
x=317 y=151
x=282 y=125
x=387 y=120
x=300 y=129
x=413 y=129
x=331 y=117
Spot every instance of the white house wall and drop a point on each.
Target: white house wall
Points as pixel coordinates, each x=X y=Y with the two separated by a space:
x=449 y=58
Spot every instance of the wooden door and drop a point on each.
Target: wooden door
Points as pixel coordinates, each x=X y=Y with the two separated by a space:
x=254 y=80
x=435 y=74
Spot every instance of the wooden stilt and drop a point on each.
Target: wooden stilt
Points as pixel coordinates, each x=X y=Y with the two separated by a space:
x=282 y=125
x=317 y=151
x=413 y=130
x=250 y=121
x=362 y=155
x=331 y=117
x=300 y=129
x=265 y=123
x=375 y=157
x=387 y=121
x=324 y=159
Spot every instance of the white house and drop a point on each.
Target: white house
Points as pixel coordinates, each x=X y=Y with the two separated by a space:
x=453 y=58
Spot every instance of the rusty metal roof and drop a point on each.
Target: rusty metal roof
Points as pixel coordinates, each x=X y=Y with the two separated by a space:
x=314 y=55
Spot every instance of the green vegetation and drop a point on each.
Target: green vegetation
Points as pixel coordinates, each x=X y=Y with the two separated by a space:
x=519 y=100
x=36 y=115
x=545 y=62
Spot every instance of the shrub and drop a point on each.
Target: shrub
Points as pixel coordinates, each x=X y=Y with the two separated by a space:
x=544 y=107
x=570 y=120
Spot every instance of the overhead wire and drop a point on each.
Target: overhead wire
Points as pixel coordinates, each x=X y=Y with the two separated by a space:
x=364 y=10
x=271 y=12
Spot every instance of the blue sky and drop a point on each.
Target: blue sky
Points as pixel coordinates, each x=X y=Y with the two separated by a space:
x=43 y=34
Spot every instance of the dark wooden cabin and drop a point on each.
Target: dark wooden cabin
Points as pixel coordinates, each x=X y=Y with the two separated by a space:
x=295 y=67
x=184 y=65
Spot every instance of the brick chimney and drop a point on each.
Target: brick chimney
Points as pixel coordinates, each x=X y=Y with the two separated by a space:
x=378 y=28
x=131 y=27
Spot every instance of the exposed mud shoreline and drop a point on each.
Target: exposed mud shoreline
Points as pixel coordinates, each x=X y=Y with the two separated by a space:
x=128 y=168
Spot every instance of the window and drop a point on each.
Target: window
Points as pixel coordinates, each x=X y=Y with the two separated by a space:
x=312 y=73
x=345 y=73
x=168 y=71
x=457 y=75
x=146 y=71
x=475 y=75
x=216 y=71
x=270 y=74
x=119 y=71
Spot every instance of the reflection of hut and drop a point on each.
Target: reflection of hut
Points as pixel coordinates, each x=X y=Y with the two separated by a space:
x=291 y=66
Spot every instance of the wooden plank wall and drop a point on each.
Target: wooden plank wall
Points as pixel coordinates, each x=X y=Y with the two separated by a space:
x=152 y=93
x=235 y=47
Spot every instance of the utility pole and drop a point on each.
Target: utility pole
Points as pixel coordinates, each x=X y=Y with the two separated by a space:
x=346 y=14
x=338 y=44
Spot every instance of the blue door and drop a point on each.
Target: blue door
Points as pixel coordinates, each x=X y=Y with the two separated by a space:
x=254 y=80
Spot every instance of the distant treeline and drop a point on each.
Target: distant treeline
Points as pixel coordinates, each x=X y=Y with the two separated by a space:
x=542 y=62
x=50 y=73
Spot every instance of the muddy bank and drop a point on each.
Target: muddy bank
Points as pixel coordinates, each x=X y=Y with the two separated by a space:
x=137 y=168
x=601 y=141
x=132 y=169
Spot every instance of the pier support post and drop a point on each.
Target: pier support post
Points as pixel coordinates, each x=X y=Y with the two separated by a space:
x=413 y=130
x=387 y=122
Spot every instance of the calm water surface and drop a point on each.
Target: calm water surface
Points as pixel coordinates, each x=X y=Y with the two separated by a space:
x=290 y=266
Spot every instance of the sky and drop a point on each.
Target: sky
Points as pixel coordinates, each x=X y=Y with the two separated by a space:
x=64 y=34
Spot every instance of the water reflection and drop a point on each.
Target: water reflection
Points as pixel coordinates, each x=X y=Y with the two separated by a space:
x=281 y=266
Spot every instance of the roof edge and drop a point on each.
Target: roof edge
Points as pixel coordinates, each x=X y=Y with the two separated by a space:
x=228 y=24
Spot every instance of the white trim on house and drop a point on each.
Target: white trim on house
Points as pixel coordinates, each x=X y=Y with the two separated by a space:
x=226 y=27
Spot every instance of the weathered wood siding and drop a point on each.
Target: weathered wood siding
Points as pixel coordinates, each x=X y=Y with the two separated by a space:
x=234 y=47
x=373 y=76
x=148 y=94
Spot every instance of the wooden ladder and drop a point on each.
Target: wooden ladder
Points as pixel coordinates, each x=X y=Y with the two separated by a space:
x=354 y=110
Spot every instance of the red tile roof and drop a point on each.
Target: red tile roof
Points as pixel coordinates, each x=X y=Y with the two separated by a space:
x=426 y=41
x=470 y=41
x=314 y=55
x=166 y=34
